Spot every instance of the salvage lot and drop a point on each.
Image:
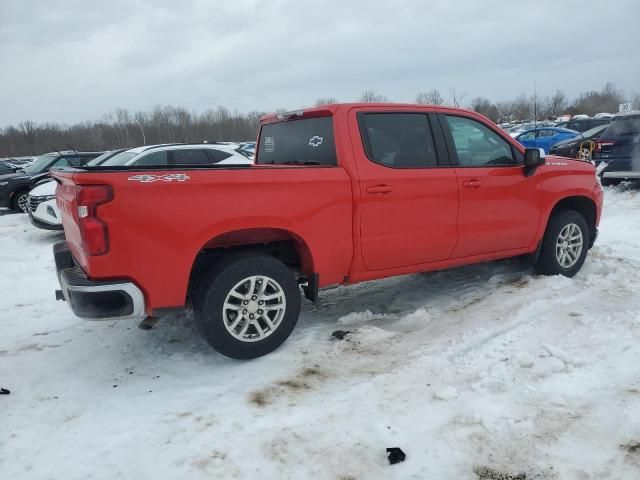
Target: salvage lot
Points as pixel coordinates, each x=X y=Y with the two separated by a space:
x=483 y=367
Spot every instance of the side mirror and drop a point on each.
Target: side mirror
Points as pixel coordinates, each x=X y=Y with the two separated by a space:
x=533 y=158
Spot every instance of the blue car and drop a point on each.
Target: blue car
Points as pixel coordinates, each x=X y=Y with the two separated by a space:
x=545 y=137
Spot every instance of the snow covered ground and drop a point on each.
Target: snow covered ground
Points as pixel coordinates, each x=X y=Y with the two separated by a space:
x=478 y=371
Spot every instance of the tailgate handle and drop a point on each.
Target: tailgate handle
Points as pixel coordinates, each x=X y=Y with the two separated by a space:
x=472 y=184
x=379 y=189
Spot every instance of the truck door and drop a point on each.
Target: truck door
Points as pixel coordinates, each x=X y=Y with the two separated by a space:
x=409 y=198
x=499 y=206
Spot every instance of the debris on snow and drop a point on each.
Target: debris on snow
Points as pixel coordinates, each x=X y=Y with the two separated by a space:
x=340 y=334
x=395 y=455
x=489 y=473
x=4 y=391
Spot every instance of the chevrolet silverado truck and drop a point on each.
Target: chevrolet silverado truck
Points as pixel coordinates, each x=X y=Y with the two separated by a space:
x=338 y=194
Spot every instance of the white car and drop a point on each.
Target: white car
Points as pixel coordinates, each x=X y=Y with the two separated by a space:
x=180 y=154
x=45 y=214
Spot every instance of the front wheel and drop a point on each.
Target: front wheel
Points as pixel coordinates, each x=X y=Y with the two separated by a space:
x=247 y=305
x=20 y=202
x=565 y=245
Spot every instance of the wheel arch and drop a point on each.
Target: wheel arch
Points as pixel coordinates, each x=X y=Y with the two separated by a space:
x=280 y=243
x=581 y=204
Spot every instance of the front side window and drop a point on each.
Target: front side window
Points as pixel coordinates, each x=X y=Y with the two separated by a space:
x=398 y=140
x=308 y=141
x=477 y=145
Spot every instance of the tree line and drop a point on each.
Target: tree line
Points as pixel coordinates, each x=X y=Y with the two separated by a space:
x=121 y=129
x=169 y=124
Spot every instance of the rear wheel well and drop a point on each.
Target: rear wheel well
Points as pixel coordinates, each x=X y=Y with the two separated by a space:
x=277 y=243
x=583 y=205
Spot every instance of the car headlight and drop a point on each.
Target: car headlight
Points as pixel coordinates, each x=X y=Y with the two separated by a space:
x=44 y=198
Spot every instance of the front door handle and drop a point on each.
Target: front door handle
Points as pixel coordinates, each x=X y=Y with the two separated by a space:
x=472 y=184
x=380 y=189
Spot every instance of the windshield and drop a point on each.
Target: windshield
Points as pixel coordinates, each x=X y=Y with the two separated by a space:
x=119 y=159
x=99 y=160
x=40 y=164
x=298 y=142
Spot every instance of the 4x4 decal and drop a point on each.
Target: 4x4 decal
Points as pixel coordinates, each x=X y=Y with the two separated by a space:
x=148 y=178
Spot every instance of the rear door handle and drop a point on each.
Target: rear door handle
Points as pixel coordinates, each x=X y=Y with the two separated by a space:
x=380 y=189
x=472 y=184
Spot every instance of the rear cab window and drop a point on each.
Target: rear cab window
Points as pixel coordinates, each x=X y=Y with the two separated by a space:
x=305 y=141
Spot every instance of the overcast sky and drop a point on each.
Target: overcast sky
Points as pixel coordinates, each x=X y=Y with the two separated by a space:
x=74 y=60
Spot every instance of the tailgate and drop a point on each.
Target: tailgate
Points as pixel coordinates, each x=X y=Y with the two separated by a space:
x=66 y=200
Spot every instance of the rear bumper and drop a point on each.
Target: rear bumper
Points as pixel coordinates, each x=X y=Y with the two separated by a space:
x=96 y=299
x=42 y=224
x=621 y=175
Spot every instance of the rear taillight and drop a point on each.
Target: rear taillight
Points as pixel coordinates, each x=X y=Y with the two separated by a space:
x=600 y=145
x=93 y=231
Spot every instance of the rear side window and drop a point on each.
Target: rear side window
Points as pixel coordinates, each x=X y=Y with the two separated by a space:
x=623 y=127
x=308 y=141
x=189 y=157
x=217 y=155
x=398 y=140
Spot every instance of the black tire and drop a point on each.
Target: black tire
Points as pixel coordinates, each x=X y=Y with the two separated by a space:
x=610 y=182
x=211 y=290
x=548 y=262
x=16 y=200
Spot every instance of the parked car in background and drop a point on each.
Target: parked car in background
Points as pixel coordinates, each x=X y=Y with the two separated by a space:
x=583 y=124
x=581 y=146
x=13 y=164
x=619 y=149
x=15 y=187
x=175 y=154
x=518 y=129
x=545 y=137
x=42 y=208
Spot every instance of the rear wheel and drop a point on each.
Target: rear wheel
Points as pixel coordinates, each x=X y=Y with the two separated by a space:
x=247 y=305
x=565 y=244
x=20 y=201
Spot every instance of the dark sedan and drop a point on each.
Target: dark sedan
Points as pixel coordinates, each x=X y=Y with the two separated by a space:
x=581 y=147
x=14 y=187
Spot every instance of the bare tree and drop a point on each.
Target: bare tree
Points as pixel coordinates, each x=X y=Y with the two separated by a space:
x=606 y=100
x=557 y=105
x=141 y=119
x=456 y=97
x=28 y=130
x=484 y=107
x=325 y=101
x=522 y=108
x=432 y=97
x=369 y=96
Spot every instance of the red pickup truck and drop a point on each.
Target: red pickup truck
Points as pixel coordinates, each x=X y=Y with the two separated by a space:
x=338 y=194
